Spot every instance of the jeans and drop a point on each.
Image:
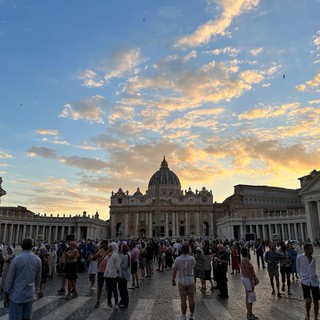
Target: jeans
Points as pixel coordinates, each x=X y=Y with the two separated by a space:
x=18 y=311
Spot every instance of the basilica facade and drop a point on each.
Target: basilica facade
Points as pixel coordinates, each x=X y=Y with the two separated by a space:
x=166 y=211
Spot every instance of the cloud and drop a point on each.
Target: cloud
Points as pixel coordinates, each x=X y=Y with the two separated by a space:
x=310 y=85
x=84 y=163
x=90 y=79
x=5 y=155
x=232 y=52
x=123 y=63
x=49 y=132
x=90 y=109
x=256 y=51
x=42 y=152
x=316 y=40
x=230 y=10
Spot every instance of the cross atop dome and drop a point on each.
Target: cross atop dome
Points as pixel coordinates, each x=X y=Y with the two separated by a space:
x=164 y=163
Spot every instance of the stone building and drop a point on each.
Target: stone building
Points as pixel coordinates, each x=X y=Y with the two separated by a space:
x=164 y=210
x=310 y=195
x=266 y=212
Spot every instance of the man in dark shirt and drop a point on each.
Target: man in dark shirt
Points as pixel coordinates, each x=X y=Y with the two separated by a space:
x=221 y=262
x=259 y=250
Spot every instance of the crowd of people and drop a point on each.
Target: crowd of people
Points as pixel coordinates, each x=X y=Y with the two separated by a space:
x=121 y=265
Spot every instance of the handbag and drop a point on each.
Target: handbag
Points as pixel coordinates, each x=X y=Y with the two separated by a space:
x=255 y=280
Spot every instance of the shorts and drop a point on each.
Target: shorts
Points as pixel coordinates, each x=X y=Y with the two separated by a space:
x=246 y=283
x=134 y=267
x=273 y=273
x=207 y=275
x=314 y=290
x=186 y=290
x=285 y=270
x=100 y=280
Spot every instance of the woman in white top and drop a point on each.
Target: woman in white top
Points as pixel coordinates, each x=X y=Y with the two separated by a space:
x=93 y=267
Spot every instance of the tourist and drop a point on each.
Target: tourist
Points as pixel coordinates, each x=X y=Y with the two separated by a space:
x=221 y=261
x=199 y=268
x=135 y=253
x=112 y=273
x=285 y=266
x=124 y=278
x=52 y=261
x=102 y=257
x=22 y=282
x=149 y=259
x=93 y=267
x=272 y=258
x=306 y=268
x=44 y=257
x=207 y=267
x=248 y=280
x=8 y=256
x=183 y=267
x=293 y=255
x=142 y=260
x=259 y=251
x=235 y=267
x=71 y=258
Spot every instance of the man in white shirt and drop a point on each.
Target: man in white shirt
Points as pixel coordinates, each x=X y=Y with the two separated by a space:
x=184 y=266
x=306 y=268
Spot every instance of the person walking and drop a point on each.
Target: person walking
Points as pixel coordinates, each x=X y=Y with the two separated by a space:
x=111 y=274
x=124 y=276
x=285 y=267
x=248 y=281
x=93 y=267
x=259 y=251
x=306 y=268
x=102 y=257
x=22 y=282
x=71 y=258
x=135 y=253
x=183 y=267
x=272 y=258
x=221 y=270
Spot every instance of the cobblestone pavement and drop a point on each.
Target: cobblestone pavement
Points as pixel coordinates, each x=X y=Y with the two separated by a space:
x=156 y=299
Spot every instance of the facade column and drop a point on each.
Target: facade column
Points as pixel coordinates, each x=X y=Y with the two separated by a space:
x=173 y=224
x=150 y=224
x=186 y=231
x=296 y=236
x=10 y=233
x=126 y=224
x=197 y=217
x=16 y=241
x=309 y=222
x=78 y=233
x=177 y=225
x=37 y=232
x=24 y=231
x=137 y=224
x=167 y=225
x=5 y=233
x=56 y=233
x=50 y=232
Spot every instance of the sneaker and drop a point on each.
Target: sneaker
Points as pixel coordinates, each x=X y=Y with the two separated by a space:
x=62 y=290
x=40 y=295
x=121 y=305
x=289 y=293
x=279 y=294
x=92 y=288
x=131 y=288
x=97 y=304
x=191 y=317
x=116 y=307
x=137 y=286
x=109 y=306
x=252 y=317
x=182 y=317
x=273 y=292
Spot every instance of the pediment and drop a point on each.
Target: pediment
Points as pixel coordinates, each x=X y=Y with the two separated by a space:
x=312 y=186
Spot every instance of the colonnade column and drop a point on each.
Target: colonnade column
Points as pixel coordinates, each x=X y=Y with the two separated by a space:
x=5 y=233
x=17 y=234
x=24 y=231
x=50 y=232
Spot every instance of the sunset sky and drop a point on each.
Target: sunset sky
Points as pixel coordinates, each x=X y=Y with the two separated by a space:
x=94 y=93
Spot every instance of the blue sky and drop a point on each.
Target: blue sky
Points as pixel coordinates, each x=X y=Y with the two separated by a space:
x=95 y=93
